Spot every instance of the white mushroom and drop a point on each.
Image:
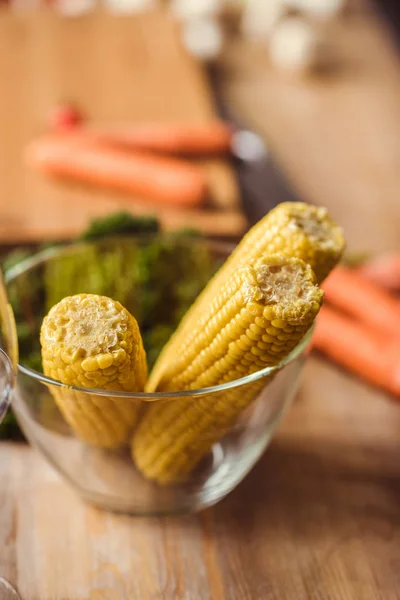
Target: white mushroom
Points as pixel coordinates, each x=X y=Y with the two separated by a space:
x=319 y=9
x=75 y=8
x=203 y=38
x=261 y=16
x=293 y=44
x=129 y=6
x=192 y=9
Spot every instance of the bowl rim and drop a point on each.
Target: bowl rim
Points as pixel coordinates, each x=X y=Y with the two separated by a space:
x=48 y=253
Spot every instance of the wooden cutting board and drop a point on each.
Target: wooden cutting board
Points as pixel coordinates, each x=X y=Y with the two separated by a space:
x=129 y=68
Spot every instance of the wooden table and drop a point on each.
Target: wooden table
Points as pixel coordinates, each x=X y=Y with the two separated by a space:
x=319 y=516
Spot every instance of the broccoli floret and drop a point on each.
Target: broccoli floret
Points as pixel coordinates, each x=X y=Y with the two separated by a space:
x=118 y=224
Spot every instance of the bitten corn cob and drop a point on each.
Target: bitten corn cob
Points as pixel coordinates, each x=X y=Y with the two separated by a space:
x=92 y=341
x=254 y=321
x=294 y=229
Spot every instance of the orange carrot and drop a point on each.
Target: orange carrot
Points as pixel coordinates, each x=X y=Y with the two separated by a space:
x=359 y=349
x=384 y=271
x=355 y=295
x=161 y=179
x=172 y=138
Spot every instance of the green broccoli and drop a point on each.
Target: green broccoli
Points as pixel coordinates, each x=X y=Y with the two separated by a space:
x=121 y=223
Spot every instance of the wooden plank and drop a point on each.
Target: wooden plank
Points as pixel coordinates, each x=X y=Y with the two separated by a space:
x=114 y=69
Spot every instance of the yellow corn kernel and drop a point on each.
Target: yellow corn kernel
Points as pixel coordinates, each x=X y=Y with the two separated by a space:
x=294 y=229
x=81 y=341
x=226 y=343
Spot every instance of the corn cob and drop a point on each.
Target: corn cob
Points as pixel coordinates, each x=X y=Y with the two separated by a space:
x=92 y=341
x=293 y=229
x=256 y=319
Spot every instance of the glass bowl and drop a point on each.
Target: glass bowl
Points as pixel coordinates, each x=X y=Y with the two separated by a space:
x=126 y=270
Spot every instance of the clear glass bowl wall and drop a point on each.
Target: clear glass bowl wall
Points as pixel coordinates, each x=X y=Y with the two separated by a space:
x=108 y=478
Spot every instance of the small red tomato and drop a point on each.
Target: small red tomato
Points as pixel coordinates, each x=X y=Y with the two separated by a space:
x=65 y=118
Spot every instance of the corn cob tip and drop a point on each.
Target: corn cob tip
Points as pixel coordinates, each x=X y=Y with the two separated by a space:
x=97 y=333
x=316 y=224
x=284 y=282
x=85 y=323
x=308 y=232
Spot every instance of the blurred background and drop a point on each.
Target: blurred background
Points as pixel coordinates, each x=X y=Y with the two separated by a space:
x=308 y=89
x=127 y=116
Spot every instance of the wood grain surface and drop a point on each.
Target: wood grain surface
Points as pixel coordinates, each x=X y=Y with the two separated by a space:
x=319 y=516
x=115 y=69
